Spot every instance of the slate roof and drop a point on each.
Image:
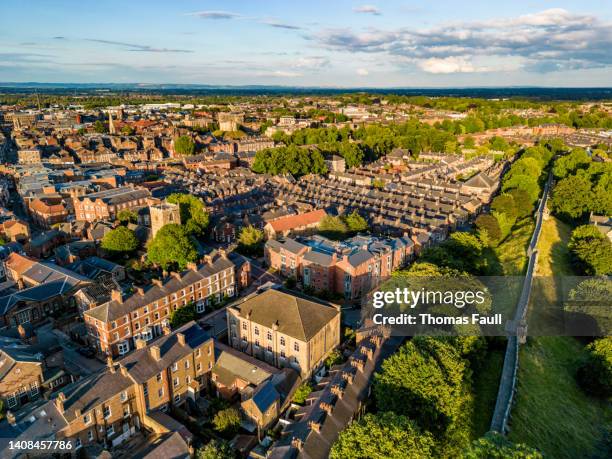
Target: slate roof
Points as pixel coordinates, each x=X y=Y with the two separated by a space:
x=112 y=310
x=296 y=316
x=231 y=365
x=142 y=366
x=265 y=396
x=116 y=196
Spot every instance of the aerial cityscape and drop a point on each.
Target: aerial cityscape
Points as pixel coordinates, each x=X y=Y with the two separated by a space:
x=312 y=230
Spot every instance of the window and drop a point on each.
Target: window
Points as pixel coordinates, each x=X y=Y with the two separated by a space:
x=123 y=347
x=186 y=364
x=160 y=392
x=244 y=325
x=296 y=347
x=137 y=326
x=113 y=324
x=110 y=431
x=106 y=412
x=90 y=435
x=174 y=366
x=187 y=379
x=199 y=367
x=198 y=352
x=177 y=398
x=257 y=343
x=77 y=443
x=157 y=316
x=126 y=411
x=145 y=389
x=282 y=340
x=209 y=350
x=159 y=377
x=209 y=365
x=12 y=400
x=146 y=310
x=269 y=348
x=176 y=382
x=123 y=396
x=256 y=331
x=135 y=315
x=34 y=389
x=86 y=419
x=283 y=355
x=269 y=335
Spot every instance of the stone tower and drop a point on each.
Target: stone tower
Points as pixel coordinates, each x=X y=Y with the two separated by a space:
x=162 y=214
x=111 y=125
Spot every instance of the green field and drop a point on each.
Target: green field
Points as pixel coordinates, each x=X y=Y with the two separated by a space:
x=485 y=386
x=512 y=253
x=551 y=412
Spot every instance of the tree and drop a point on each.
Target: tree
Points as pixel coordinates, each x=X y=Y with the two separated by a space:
x=227 y=421
x=495 y=446
x=127 y=216
x=183 y=315
x=184 y=145
x=250 y=240
x=333 y=227
x=571 y=196
x=591 y=250
x=302 y=393
x=194 y=217
x=352 y=153
x=120 y=241
x=504 y=203
x=356 y=222
x=488 y=224
x=527 y=183
x=383 y=435
x=172 y=246
x=571 y=162
x=423 y=380
x=127 y=130
x=523 y=203
x=334 y=358
x=595 y=373
x=99 y=127
x=215 y=449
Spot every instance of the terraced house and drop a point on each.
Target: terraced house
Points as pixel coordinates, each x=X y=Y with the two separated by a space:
x=114 y=326
x=110 y=406
x=107 y=204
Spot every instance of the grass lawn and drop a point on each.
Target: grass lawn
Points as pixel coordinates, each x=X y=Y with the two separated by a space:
x=512 y=253
x=551 y=412
x=553 y=258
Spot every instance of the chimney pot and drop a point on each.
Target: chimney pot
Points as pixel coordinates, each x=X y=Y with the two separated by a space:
x=155 y=352
x=180 y=338
x=117 y=295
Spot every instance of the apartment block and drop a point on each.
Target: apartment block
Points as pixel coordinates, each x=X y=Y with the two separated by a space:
x=284 y=329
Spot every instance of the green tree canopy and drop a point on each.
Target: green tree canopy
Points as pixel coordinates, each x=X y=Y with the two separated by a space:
x=355 y=222
x=570 y=163
x=571 y=196
x=496 y=446
x=127 y=216
x=184 y=145
x=423 y=380
x=215 y=449
x=383 y=435
x=302 y=393
x=250 y=240
x=227 y=421
x=172 y=246
x=595 y=374
x=488 y=229
x=591 y=250
x=194 y=217
x=121 y=240
x=183 y=315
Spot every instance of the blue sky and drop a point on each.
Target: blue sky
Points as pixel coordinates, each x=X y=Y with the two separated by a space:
x=309 y=43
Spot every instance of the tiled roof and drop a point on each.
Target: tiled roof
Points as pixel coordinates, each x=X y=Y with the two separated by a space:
x=297 y=221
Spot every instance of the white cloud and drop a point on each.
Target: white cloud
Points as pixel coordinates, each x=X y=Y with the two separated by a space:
x=447 y=65
x=363 y=72
x=215 y=14
x=367 y=9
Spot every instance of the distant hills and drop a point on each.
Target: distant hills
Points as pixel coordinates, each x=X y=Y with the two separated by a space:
x=202 y=89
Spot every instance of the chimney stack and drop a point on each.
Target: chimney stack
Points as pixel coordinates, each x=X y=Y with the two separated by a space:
x=117 y=295
x=139 y=290
x=110 y=364
x=157 y=282
x=155 y=352
x=59 y=402
x=123 y=370
x=192 y=266
x=180 y=338
x=140 y=343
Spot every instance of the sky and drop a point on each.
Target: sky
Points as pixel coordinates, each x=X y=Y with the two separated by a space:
x=331 y=43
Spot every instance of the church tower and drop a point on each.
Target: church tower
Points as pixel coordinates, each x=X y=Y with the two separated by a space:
x=111 y=125
x=162 y=214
